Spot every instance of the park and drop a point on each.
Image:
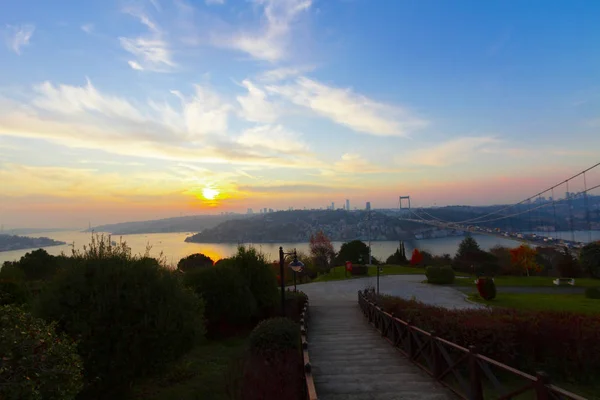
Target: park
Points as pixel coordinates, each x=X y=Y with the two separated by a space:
x=508 y=323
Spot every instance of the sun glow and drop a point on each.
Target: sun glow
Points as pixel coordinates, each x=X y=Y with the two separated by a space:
x=210 y=193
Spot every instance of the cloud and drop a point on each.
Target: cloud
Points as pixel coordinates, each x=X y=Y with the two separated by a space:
x=280 y=74
x=19 y=36
x=214 y=2
x=194 y=130
x=152 y=50
x=300 y=188
x=275 y=138
x=454 y=151
x=254 y=106
x=135 y=65
x=87 y=28
x=355 y=163
x=271 y=41
x=345 y=107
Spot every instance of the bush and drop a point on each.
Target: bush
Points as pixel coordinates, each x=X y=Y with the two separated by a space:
x=486 y=288
x=35 y=265
x=194 y=261
x=130 y=315
x=294 y=304
x=563 y=344
x=13 y=292
x=440 y=275
x=592 y=293
x=274 y=336
x=590 y=259
x=228 y=300
x=360 y=270
x=259 y=277
x=36 y=362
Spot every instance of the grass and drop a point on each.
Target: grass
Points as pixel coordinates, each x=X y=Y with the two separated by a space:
x=531 y=281
x=200 y=374
x=339 y=273
x=538 y=301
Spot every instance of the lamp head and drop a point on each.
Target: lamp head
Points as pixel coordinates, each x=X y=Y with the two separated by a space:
x=297 y=265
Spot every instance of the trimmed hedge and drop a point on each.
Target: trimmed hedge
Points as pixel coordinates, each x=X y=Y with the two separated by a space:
x=592 y=293
x=274 y=336
x=229 y=303
x=486 y=288
x=360 y=270
x=37 y=363
x=565 y=345
x=130 y=315
x=440 y=275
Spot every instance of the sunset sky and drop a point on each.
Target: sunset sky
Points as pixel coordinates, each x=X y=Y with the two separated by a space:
x=128 y=110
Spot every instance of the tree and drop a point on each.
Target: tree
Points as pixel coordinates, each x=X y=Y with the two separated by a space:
x=503 y=258
x=590 y=258
x=194 y=261
x=417 y=258
x=321 y=251
x=399 y=256
x=524 y=258
x=37 y=265
x=568 y=267
x=468 y=255
x=356 y=251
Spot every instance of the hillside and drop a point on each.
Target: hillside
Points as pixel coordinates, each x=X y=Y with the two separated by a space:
x=297 y=226
x=13 y=242
x=194 y=223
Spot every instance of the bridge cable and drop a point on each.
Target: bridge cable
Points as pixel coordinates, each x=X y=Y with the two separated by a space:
x=587 y=209
x=554 y=211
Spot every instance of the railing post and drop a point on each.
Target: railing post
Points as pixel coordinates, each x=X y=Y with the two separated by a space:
x=436 y=357
x=476 y=388
x=541 y=390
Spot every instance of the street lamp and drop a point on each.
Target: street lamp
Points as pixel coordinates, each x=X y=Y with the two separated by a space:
x=295 y=265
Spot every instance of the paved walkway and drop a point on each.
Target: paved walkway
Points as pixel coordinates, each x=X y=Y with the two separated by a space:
x=350 y=359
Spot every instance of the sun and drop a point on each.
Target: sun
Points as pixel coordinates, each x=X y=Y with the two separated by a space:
x=210 y=193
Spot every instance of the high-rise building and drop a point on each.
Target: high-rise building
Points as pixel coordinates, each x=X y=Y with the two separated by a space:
x=347 y=205
x=265 y=210
x=250 y=211
x=332 y=205
x=368 y=206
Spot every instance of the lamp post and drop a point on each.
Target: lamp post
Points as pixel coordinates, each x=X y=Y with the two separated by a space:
x=295 y=265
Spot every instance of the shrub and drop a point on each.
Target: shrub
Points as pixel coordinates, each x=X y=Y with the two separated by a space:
x=416 y=258
x=229 y=302
x=193 y=261
x=563 y=344
x=259 y=277
x=36 y=265
x=360 y=270
x=294 y=304
x=274 y=336
x=486 y=288
x=36 y=363
x=130 y=315
x=590 y=258
x=440 y=275
x=592 y=293
x=13 y=292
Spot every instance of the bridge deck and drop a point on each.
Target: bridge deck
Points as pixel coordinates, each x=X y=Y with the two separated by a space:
x=352 y=362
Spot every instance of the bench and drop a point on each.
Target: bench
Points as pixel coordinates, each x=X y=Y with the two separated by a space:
x=564 y=281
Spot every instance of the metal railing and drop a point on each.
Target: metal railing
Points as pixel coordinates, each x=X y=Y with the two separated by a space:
x=309 y=388
x=464 y=371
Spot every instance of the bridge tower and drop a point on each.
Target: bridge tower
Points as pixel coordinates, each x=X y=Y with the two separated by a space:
x=400 y=202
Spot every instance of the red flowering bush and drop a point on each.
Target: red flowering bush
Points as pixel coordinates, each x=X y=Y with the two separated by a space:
x=486 y=288
x=561 y=343
x=417 y=258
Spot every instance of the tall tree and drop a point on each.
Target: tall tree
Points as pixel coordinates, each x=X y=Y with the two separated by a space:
x=468 y=255
x=355 y=251
x=590 y=258
x=194 y=261
x=321 y=251
x=524 y=258
x=417 y=258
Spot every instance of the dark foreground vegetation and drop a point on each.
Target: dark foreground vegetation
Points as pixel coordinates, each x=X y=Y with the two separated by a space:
x=106 y=324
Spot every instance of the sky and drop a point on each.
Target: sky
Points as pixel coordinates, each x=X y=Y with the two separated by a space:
x=119 y=110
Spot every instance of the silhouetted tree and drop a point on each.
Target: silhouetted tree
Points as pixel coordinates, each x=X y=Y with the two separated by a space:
x=321 y=252
x=194 y=261
x=590 y=258
x=355 y=251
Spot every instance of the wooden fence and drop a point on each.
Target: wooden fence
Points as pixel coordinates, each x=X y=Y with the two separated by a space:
x=309 y=389
x=462 y=370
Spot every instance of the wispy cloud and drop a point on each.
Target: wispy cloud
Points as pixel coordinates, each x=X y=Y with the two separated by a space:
x=345 y=107
x=283 y=73
x=18 y=36
x=255 y=106
x=152 y=50
x=275 y=138
x=88 y=28
x=271 y=40
x=214 y=2
x=455 y=151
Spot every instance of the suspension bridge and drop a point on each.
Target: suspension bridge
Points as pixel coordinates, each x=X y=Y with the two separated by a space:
x=538 y=219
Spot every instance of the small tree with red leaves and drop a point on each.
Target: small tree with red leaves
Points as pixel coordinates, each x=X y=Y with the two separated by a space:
x=321 y=251
x=417 y=258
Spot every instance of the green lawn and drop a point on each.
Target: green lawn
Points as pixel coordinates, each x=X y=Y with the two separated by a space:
x=530 y=281
x=534 y=301
x=339 y=273
x=201 y=374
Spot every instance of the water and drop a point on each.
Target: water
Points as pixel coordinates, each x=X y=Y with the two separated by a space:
x=173 y=246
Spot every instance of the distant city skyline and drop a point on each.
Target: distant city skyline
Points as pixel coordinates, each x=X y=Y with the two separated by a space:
x=145 y=109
